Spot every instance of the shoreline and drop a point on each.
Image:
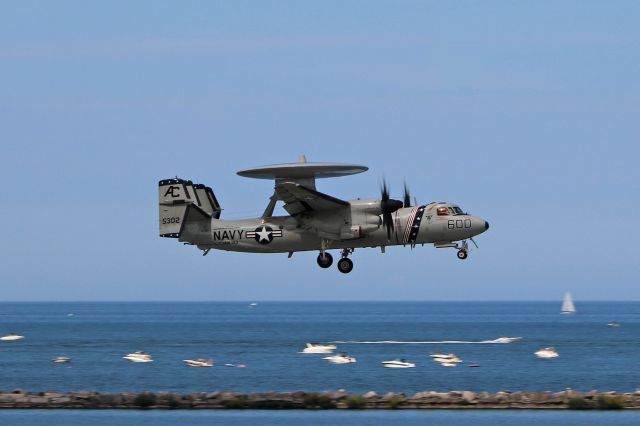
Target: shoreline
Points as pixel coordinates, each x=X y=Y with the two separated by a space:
x=569 y=399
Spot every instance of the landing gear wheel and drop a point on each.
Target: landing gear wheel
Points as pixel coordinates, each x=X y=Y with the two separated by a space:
x=324 y=261
x=462 y=254
x=345 y=265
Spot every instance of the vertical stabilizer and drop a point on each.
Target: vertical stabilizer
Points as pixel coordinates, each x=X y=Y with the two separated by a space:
x=207 y=200
x=174 y=196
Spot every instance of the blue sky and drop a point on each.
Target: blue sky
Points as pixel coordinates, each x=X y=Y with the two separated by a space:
x=524 y=113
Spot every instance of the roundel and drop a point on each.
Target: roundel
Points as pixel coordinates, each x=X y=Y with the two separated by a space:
x=264 y=234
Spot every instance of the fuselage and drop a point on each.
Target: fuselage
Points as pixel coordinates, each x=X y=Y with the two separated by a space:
x=435 y=223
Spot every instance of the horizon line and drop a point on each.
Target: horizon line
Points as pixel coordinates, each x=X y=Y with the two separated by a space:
x=322 y=301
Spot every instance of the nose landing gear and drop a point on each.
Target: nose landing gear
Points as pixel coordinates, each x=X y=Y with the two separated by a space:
x=463 y=249
x=463 y=253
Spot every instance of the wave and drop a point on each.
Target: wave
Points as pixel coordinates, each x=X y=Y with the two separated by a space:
x=499 y=340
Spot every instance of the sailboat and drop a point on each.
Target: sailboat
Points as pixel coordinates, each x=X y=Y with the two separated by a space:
x=567 y=304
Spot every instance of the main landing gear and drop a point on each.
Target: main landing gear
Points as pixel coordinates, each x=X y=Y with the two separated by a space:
x=325 y=260
x=345 y=265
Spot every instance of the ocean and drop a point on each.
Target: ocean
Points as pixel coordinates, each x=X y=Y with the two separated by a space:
x=316 y=418
x=267 y=339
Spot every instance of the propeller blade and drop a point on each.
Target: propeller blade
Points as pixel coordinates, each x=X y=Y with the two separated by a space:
x=388 y=206
x=407 y=196
x=384 y=190
x=387 y=221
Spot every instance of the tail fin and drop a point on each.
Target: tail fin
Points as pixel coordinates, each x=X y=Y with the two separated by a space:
x=184 y=206
x=208 y=201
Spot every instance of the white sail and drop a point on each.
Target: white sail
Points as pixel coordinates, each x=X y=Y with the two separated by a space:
x=567 y=304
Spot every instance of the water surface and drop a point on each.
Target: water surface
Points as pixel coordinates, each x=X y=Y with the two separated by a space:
x=268 y=337
x=317 y=418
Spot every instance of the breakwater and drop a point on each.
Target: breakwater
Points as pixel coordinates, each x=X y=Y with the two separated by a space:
x=568 y=399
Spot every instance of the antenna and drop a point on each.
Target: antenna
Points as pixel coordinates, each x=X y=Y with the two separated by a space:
x=302 y=158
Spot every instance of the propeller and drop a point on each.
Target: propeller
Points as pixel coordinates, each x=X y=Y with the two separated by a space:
x=388 y=206
x=407 y=196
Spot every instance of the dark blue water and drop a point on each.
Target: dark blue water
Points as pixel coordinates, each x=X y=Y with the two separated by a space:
x=316 y=418
x=267 y=339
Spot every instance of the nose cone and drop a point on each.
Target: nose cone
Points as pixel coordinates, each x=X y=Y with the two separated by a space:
x=479 y=225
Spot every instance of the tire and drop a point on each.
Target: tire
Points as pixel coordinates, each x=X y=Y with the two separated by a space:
x=326 y=261
x=462 y=254
x=345 y=265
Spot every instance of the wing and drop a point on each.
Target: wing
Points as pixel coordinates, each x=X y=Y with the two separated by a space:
x=299 y=199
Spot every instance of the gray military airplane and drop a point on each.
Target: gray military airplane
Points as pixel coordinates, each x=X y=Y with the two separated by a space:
x=191 y=213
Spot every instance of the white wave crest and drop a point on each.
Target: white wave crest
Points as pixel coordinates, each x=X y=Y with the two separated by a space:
x=499 y=340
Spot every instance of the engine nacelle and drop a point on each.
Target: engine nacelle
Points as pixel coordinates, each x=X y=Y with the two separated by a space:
x=360 y=230
x=359 y=219
x=365 y=217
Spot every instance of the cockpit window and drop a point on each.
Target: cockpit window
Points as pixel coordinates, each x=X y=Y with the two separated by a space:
x=457 y=210
x=442 y=211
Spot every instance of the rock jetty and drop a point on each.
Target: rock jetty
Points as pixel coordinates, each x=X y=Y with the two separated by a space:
x=568 y=399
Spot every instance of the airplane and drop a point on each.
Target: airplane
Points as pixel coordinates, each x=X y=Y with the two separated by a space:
x=316 y=221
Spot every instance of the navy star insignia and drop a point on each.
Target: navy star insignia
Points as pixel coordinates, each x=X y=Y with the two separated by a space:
x=264 y=234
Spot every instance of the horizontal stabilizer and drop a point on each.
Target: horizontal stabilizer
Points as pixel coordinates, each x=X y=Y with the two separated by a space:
x=196 y=225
